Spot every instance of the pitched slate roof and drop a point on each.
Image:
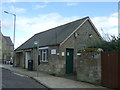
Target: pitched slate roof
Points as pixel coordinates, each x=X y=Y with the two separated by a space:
x=52 y=36
x=9 y=41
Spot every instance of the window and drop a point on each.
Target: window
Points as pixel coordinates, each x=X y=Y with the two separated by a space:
x=44 y=55
x=11 y=48
x=90 y=35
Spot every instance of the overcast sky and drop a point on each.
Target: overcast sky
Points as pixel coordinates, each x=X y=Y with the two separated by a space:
x=34 y=17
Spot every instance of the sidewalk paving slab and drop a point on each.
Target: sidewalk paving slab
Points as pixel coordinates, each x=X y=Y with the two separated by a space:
x=52 y=81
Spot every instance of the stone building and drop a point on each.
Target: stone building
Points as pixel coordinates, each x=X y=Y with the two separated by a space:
x=6 y=49
x=56 y=49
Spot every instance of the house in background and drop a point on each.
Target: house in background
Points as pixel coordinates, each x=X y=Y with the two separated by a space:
x=6 y=49
x=55 y=50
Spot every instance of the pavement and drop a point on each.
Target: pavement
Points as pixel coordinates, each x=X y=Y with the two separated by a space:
x=51 y=81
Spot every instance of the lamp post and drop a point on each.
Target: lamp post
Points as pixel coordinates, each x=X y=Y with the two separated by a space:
x=14 y=31
x=14 y=25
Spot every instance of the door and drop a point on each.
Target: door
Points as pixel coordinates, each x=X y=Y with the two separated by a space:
x=8 y=59
x=69 y=61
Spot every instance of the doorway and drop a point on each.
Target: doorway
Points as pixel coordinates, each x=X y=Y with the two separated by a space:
x=69 y=61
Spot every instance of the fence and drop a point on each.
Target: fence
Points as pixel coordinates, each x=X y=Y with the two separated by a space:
x=110 y=69
x=99 y=68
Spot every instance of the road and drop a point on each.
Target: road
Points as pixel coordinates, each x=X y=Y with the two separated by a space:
x=16 y=80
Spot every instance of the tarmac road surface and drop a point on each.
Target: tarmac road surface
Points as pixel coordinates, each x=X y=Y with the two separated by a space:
x=16 y=80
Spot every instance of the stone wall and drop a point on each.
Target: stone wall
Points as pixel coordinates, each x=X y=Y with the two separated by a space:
x=69 y=44
x=54 y=65
x=19 y=59
x=89 y=67
x=57 y=63
x=82 y=40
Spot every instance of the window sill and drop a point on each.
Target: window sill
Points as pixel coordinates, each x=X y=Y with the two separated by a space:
x=44 y=61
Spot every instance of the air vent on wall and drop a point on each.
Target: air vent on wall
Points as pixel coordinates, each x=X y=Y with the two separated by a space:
x=75 y=34
x=90 y=35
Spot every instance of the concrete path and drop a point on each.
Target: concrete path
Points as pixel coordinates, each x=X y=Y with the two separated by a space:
x=51 y=81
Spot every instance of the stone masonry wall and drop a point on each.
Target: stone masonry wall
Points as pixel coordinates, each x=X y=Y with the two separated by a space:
x=54 y=65
x=81 y=41
x=89 y=67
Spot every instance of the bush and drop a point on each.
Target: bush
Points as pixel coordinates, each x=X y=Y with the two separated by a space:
x=112 y=45
x=88 y=49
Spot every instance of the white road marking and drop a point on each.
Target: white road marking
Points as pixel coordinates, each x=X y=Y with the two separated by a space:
x=1 y=65
x=20 y=75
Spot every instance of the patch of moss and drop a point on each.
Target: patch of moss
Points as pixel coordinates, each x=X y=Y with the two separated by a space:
x=88 y=50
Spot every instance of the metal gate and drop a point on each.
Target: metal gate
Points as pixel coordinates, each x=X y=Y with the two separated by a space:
x=110 y=69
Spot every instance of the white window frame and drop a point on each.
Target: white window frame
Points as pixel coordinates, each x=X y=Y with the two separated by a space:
x=44 y=55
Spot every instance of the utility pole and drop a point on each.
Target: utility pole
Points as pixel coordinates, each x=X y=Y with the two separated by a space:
x=14 y=31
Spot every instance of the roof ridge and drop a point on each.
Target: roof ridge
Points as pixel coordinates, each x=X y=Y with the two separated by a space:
x=6 y=36
x=68 y=28
x=61 y=25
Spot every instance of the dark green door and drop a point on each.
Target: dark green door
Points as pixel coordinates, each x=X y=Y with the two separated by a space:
x=69 y=61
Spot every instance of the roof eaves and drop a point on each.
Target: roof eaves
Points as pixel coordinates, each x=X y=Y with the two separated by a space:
x=23 y=47
x=18 y=48
x=62 y=25
x=36 y=47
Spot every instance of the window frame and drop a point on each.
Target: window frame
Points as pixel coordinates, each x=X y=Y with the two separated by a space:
x=43 y=55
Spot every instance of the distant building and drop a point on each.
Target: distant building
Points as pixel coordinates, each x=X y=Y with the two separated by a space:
x=6 y=48
x=9 y=48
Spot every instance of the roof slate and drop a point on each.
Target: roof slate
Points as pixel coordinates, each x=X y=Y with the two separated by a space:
x=52 y=36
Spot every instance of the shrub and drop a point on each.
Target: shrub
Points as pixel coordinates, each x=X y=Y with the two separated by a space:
x=112 y=45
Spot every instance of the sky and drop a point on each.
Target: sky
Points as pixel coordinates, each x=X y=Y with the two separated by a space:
x=35 y=17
